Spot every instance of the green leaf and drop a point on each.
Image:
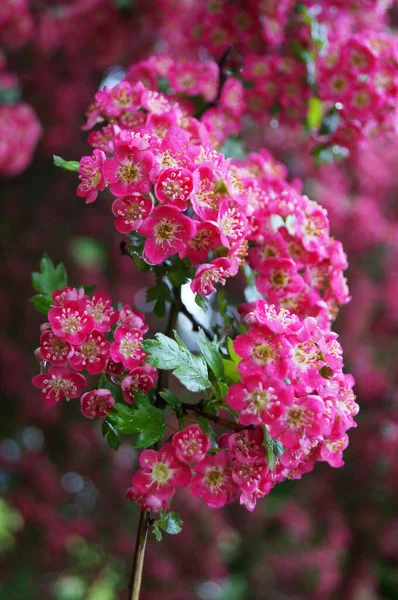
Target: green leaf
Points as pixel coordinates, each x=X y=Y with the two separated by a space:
x=168 y=354
x=231 y=370
x=180 y=275
x=330 y=123
x=88 y=252
x=169 y=521
x=10 y=95
x=202 y=302
x=41 y=303
x=50 y=278
x=231 y=351
x=314 y=113
x=233 y=148
x=160 y=294
x=274 y=448
x=223 y=387
x=68 y=165
x=172 y=400
x=143 y=418
x=111 y=434
x=211 y=352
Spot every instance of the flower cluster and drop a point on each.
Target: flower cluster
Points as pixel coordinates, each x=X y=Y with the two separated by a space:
x=175 y=194
x=86 y=334
x=20 y=129
x=291 y=52
x=292 y=393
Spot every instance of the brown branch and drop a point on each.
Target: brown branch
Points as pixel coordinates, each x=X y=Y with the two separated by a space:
x=222 y=78
x=219 y=420
x=139 y=555
x=145 y=516
x=196 y=325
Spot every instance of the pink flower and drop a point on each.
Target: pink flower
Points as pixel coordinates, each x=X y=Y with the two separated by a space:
x=332 y=451
x=279 y=278
x=133 y=319
x=174 y=187
x=208 y=275
x=66 y=294
x=305 y=418
x=54 y=349
x=262 y=351
x=99 y=306
x=139 y=379
x=71 y=322
x=246 y=446
x=127 y=347
x=167 y=231
x=59 y=383
x=232 y=223
x=161 y=472
x=207 y=238
x=131 y=211
x=92 y=355
x=146 y=501
x=91 y=177
x=191 y=444
x=132 y=168
x=259 y=399
x=97 y=403
x=213 y=480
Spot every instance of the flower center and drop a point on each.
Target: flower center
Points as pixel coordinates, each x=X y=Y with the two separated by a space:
x=279 y=278
x=129 y=173
x=262 y=352
x=71 y=324
x=295 y=417
x=214 y=477
x=89 y=350
x=128 y=347
x=164 y=231
x=161 y=473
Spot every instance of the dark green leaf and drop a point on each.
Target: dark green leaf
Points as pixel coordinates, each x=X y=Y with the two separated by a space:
x=330 y=123
x=68 y=165
x=201 y=301
x=169 y=521
x=223 y=387
x=41 y=303
x=172 y=400
x=142 y=418
x=231 y=351
x=111 y=434
x=50 y=278
x=10 y=95
x=160 y=294
x=211 y=352
x=274 y=448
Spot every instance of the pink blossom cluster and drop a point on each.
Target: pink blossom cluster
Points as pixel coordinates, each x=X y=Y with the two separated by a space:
x=87 y=334
x=349 y=62
x=183 y=197
x=291 y=388
x=20 y=129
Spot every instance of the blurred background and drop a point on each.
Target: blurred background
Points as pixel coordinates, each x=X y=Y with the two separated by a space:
x=66 y=530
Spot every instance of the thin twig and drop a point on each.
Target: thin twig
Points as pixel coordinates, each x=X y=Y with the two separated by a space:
x=222 y=78
x=145 y=516
x=139 y=555
x=196 y=324
x=219 y=420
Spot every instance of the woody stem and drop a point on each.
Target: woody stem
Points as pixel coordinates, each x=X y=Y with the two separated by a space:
x=145 y=516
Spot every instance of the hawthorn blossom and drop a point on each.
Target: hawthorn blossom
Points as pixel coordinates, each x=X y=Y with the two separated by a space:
x=160 y=473
x=213 y=480
x=191 y=444
x=59 y=383
x=127 y=347
x=91 y=176
x=97 y=403
x=167 y=232
x=71 y=322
